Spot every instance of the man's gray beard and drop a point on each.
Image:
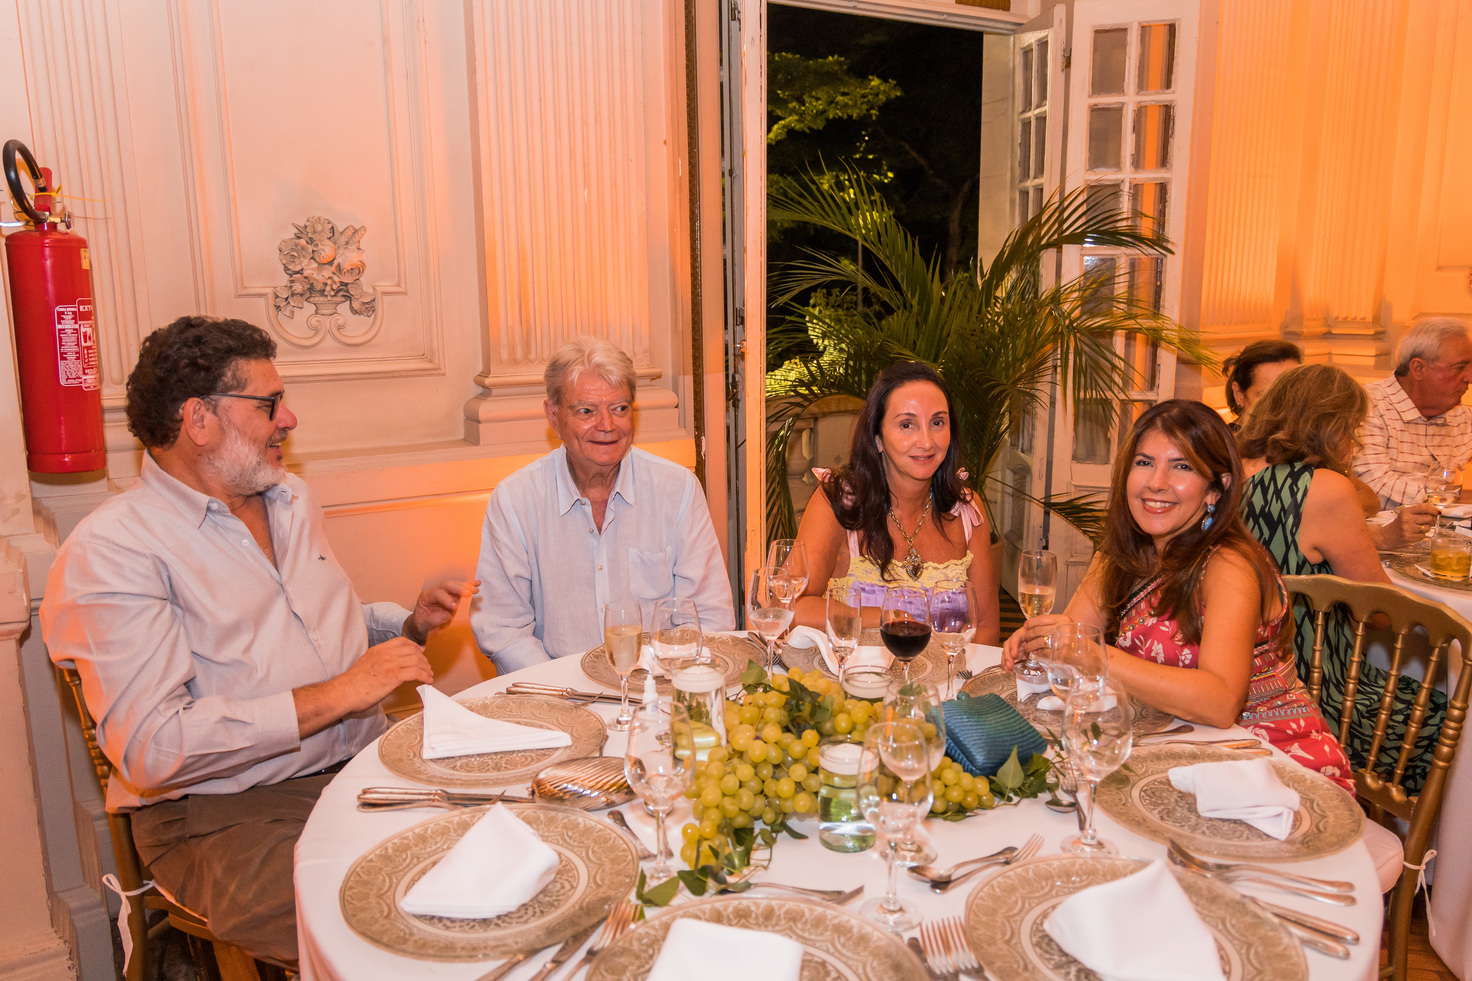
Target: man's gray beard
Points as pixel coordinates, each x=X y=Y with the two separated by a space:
x=242 y=467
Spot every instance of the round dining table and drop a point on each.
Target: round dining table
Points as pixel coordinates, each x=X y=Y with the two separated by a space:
x=337 y=834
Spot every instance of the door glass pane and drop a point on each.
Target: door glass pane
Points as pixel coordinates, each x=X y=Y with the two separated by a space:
x=1039 y=143
x=1037 y=199
x=1146 y=282
x=1141 y=354
x=1091 y=431
x=1110 y=48
x=1152 y=136
x=1022 y=213
x=1129 y=412
x=1026 y=78
x=1150 y=203
x=1024 y=151
x=1106 y=137
x=1102 y=199
x=1098 y=284
x=1157 y=57
x=1041 y=62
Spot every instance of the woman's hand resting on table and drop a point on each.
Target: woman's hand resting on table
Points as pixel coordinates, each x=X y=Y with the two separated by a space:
x=1029 y=637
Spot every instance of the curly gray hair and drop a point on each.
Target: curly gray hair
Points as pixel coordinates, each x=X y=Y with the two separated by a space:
x=603 y=359
x=1426 y=341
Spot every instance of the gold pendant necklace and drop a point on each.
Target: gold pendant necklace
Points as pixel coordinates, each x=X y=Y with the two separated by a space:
x=912 y=562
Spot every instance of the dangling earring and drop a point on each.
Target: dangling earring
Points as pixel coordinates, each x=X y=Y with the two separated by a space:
x=1206 y=521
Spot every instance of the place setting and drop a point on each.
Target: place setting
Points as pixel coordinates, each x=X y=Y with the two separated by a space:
x=629 y=653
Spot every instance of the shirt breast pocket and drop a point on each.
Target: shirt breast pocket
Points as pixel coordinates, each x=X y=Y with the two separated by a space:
x=651 y=574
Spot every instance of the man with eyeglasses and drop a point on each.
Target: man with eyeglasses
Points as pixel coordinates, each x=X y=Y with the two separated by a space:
x=228 y=662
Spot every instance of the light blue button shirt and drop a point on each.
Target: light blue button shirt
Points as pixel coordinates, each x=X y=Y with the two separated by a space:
x=547 y=571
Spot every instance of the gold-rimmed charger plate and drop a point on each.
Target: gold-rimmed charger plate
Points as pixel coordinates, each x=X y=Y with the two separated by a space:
x=929 y=665
x=731 y=653
x=839 y=946
x=597 y=867
x=1006 y=913
x=1140 y=797
x=997 y=680
x=1417 y=567
x=400 y=747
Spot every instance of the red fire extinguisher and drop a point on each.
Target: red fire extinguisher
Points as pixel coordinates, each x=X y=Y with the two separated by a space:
x=55 y=337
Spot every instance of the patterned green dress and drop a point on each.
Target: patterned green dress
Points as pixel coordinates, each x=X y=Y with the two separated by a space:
x=1273 y=507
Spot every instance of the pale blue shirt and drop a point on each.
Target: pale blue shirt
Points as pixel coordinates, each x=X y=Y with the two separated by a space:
x=546 y=571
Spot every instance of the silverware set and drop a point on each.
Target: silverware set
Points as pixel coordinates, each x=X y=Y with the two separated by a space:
x=1330 y=891
x=401 y=798
x=618 y=921
x=941 y=880
x=570 y=694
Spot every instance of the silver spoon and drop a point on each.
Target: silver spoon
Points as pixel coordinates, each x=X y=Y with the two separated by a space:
x=617 y=817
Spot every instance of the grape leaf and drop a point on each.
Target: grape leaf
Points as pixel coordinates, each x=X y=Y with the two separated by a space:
x=659 y=895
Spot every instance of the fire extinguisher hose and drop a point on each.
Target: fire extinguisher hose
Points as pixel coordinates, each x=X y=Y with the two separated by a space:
x=12 y=177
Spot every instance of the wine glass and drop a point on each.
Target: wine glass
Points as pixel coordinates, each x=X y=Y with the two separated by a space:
x=765 y=613
x=1098 y=734
x=953 y=618
x=659 y=764
x=622 y=625
x=1037 y=585
x=904 y=623
x=675 y=632
x=1074 y=657
x=787 y=565
x=917 y=702
x=894 y=791
x=845 y=622
x=1443 y=487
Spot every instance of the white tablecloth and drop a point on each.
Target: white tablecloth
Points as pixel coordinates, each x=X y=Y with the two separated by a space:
x=337 y=834
x=1451 y=899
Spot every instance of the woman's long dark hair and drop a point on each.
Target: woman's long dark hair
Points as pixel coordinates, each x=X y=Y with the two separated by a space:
x=859 y=492
x=1127 y=554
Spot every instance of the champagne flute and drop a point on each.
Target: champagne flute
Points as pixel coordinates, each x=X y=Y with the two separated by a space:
x=622 y=624
x=765 y=613
x=787 y=560
x=845 y=622
x=894 y=792
x=1443 y=488
x=1098 y=734
x=904 y=623
x=1037 y=585
x=953 y=618
x=659 y=764
x=917 y=702
x=675 y=632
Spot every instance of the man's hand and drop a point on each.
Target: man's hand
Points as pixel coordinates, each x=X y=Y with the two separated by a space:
x=1411 y=523
x=436 y=607
x=380 y=670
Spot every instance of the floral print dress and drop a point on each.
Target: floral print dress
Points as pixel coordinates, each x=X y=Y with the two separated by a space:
x=1278 y=708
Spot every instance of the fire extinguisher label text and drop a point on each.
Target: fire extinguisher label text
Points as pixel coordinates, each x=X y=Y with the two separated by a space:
x=76 y=345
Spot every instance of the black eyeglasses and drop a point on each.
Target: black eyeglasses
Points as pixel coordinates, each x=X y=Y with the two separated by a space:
x=272 y=400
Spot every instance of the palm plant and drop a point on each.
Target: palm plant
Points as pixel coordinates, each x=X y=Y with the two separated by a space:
x=995 y=333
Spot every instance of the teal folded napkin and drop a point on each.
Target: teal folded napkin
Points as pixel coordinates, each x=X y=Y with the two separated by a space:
x=982 y=732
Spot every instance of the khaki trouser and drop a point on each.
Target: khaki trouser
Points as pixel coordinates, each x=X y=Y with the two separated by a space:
x=228 y=857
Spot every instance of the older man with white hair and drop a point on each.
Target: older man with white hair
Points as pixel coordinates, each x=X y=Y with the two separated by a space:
x=1416 y=416
x=596 y=521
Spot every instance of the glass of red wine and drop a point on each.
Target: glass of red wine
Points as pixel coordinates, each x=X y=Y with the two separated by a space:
x=904 y=623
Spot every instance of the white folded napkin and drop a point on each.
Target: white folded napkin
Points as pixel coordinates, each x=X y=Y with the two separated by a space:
x=714 y=952
x=1248 y=791
x=861 y=657
x=1026 y=688
x=1457 y=511
x=801 y=636
x=650 y=663
x=1139 y=928
x=451 y=729
x=495 y=867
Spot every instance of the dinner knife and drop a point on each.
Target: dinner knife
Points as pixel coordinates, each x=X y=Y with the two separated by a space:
x=570 y=947
x=1326 y=927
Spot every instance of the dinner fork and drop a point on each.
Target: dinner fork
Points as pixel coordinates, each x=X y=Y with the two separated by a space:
x=947 y=951
x=620 y=918
x=1028 y=849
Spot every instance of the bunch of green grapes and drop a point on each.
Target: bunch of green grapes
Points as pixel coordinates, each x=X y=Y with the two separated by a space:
x=958 y=792
x=768 y=768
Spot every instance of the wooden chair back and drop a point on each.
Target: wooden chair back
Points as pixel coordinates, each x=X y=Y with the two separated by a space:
x=1380 y=787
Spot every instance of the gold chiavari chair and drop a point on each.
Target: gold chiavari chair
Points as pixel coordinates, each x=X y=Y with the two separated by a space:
x=1380 y=788
x=230 y=962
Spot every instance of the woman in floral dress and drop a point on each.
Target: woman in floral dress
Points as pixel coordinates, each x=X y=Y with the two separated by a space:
x=1192 y=602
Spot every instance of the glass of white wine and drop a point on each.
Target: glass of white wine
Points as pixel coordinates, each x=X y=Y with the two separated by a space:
x=845 y=622
x=1037 y=585
x=953 y=619
x=765 y=613
x=787 y=559
x=623 y=624
x=1443 y=488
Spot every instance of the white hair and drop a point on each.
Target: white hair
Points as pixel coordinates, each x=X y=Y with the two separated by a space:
x=1426 y=341
x=603 y=359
